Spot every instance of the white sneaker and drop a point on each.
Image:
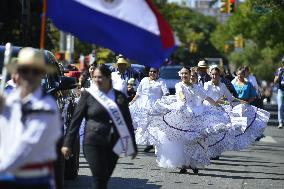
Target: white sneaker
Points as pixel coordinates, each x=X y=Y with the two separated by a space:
x=280 y=126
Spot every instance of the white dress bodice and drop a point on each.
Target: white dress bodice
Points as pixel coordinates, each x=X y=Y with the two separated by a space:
x=194 y=94
x=217 y=92
x=151 y=90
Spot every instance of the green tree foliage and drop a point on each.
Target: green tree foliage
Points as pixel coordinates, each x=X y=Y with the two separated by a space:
x=263 y=32
x=189 y=27
x=105 y=56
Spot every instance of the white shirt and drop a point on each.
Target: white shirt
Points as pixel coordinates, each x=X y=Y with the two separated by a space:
x=118 y=83
x=32 y=140
x=152 y=90
x=217 y=92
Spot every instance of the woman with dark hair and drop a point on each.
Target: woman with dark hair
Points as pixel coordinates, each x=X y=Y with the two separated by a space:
x=244 y=88
x=108 y=132
x=148 y=92
x=218 y=90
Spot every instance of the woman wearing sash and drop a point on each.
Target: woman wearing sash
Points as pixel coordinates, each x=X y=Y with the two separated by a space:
x=248 y=121
x=148 y=92
x=181 y=125
x=108 y=132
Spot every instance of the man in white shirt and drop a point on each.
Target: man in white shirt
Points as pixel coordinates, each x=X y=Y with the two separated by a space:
x=30 y=127
x=252 y=79
x=123 y=68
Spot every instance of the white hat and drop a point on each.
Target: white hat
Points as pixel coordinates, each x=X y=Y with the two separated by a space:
x=31 y=58
x=202 y=64
x=212 y=67
x=131 y=81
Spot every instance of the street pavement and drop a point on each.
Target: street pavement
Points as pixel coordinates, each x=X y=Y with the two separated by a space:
x=259 y=167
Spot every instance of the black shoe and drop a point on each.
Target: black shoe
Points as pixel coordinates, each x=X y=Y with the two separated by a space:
x=182 y=171
x=195 y=170
x=215 y=158
x=148 y=148
x=260 y=137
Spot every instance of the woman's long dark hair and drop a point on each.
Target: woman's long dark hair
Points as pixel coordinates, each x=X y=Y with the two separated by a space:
x=188 y=68
x=104 y=69
x=216 y=69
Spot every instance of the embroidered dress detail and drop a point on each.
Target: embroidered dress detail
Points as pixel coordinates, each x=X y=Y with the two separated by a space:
x=149 y=92
x=182 y=130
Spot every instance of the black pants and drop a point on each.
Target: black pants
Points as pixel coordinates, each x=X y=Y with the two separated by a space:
x=13 y=185
x=102 y=161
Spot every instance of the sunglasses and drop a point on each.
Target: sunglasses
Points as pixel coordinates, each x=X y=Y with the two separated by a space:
x=32 y=71
x=153 y=71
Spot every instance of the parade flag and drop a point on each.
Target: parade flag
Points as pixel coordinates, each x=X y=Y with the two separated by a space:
x=133 y=28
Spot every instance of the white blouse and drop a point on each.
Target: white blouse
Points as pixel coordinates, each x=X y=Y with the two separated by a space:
x=154 y=89
x=194 y=94
x=217 y=92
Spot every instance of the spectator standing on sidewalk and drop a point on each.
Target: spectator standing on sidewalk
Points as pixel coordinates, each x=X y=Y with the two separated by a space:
x=279 y=80
x=30 y=127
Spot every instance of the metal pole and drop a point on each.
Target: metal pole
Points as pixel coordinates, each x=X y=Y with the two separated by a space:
x=43 y=21
x=7 y=59
x=62 y=42
x=70 y=47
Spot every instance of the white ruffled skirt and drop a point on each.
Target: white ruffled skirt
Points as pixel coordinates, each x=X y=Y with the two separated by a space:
x=182 y=134
x=256 y=120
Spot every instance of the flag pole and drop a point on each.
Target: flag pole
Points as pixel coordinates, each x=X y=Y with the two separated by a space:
x=43 y=21
x=7 y=59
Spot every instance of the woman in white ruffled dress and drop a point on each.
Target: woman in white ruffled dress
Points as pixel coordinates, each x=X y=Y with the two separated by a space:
x=181 y=126
x=148 y=92
x=248 y=121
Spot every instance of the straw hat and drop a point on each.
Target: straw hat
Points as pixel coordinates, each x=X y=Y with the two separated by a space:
x=122 y=60
x=202 y=64
x=30 y=58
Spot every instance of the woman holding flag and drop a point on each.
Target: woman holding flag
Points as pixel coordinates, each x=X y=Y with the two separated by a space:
x=108 y=132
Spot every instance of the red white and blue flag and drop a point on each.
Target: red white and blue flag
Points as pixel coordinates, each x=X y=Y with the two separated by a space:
x=133 y=28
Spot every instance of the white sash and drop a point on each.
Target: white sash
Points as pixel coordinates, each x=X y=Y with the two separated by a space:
x=124 y=144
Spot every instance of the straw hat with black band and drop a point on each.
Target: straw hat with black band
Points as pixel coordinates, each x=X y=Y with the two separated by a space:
x=122 y=60
x=29 y=57
x=202 y=64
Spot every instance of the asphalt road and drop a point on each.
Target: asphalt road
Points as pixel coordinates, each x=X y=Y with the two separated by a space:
x=260 y=167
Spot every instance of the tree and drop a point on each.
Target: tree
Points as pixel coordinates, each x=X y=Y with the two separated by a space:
x=262 y=31
x=190 y=27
